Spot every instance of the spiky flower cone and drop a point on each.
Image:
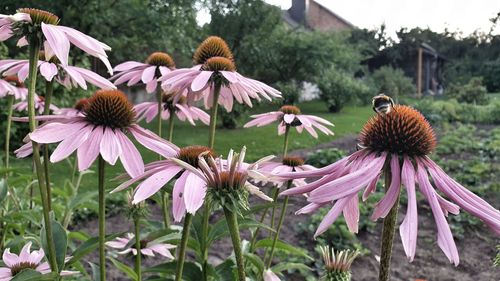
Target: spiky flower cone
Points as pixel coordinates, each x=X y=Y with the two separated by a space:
x=337 y=263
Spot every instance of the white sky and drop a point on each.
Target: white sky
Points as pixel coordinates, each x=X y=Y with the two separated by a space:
x=456 y=15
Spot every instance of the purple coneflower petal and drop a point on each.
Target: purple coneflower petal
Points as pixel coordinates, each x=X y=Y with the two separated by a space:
x=9 y=259
x=128 y=65
x=309 y=208
x=201 y=80
x=130 y=156
x=194 y=193
x=385 y=204
x=409 y=226
x=70 y=144
x=153 y=142
x=92 y=77
x=331 y=216
x=163 y=249
x=110 y=146
x=48 y=70
x=89 y=150
x=155 y=182
x=178 y=205
x=58 y=42
x=56 y=132
x=151 y=86
x=351 y=213
x=148 y=74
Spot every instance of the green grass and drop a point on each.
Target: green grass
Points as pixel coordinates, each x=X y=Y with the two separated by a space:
x=259 y=141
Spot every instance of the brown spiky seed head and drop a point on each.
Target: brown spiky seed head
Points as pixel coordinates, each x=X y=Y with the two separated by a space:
x=238 y=180
x=190 y=154
x=290 y=109
x=218 y=64
x=38 y=16
x=213 y=46
x=293 y=161
x=161 y=59
x=81 y=104
x=14 y=80
x=403 y=131
x=110 y=108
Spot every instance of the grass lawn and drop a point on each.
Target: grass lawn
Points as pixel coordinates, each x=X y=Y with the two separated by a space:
x=259 y=141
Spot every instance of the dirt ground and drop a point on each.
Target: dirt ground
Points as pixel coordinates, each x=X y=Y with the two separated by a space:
x=476 y=250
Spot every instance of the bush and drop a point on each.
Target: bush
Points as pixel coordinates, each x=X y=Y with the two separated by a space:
x=473 y=92
x=393 y=82
x=453 y=111
x=324 y=157
x=230 y=119
x=290 y=91
x=338 y=88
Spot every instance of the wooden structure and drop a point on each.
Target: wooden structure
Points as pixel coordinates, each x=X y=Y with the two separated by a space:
x=313 y=15
x=429 y=74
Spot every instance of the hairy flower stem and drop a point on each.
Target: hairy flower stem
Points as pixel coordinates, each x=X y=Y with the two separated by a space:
x=10 y=102
x=137 y=226
x=275 y=196
x=388 y=230
x=280 y=224
x=34 y=49
x=164 y=195
x=171 y=125
x=102 y=218
x=234 y=231
x=182 y=249
x=206 y=211
x=49 y=89
x=159 y=99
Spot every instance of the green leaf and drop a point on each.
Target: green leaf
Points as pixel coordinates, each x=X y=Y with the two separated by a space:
x=191 y=272
x=82 y=198
x=124 y=268
x=60 y=238
x=225 y=271
x=282 y=266
x=96 y=273
x=280 y=245
x=219 y=229
x=255 y=260
x=33 y=275
x=89 y=246
x=3 y=190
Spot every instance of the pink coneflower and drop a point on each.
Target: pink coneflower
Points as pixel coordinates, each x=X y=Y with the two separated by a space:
x=183 y=111
x=214 y=66
x=290 y=116
x=269 y=275
x=133 y=72
x=189 y=190
x=108 y=117
x=401 y=141
x=76 y=110
x=287 y=165
x=148 y=248
x=56 y=39
x=50 y=68
x=26 y=259
x=39 y=105
x=12 y=86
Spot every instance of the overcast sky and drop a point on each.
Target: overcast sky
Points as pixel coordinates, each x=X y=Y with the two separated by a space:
x=456 y=15
x=464 y=15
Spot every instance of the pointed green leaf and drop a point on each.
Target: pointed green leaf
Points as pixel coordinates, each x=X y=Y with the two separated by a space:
x=281 y=245
x=124 y=268
x=60 y=238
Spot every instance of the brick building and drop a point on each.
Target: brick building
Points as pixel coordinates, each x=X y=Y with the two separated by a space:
x=313 y=15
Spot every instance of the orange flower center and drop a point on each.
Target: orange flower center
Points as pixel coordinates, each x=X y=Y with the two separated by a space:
x=213 y=46
x=160 y=59
x=110 y=108
x=219 y=64
x=39 y=16
x=293 y=161
x=190 y=154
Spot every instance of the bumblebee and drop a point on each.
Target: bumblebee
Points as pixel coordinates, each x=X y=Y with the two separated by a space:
x=382 y=104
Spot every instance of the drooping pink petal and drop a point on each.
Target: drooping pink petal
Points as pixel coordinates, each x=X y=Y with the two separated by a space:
x=270 y=276
x=154 y=183
x=128 y=65
x=445 y=237
x=178 y=205
x=153 y=142
x=194 y=193
x=130 y=156
x=70 y=144
x=409 y=226
x=201 y=80
x=151 y=86
x=148 y=74
x=331 y=216
x=309 y=208
x=110 y=146
x=58 y=42
x=385 y=204
x=163 y=249
x=48 y=70
x=93 y=78
x=55 y=132
x=76 y=77
x=351 y=213
x=288 y=118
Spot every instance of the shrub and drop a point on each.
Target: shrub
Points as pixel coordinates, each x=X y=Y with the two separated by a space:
x=393 y=82
x=324 y=157
x=472 y=92
x=453 y=111
x=338 y=88
x=230 y=119
x=290 y=91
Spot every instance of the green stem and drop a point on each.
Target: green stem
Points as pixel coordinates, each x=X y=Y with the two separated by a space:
x=171 y=126
x=285 y=142
x=102 y=218
x=164 y=195
x=232 y=224
x=388 y=230
x=280 y=223
x=34 y=49
x=3 y=230
x=206 y=212
x=138 y=264
x=10 y=102
x=255 y=234
x=49 y=89
x=182 y=250
x=158 y=118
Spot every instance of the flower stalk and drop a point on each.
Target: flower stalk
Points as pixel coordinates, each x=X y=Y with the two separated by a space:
x=183 y=246
x=138 y=263
x=34 y=49
x=164 y=195
x=159 y=99
x=232 y=224
x=49 y=90
x=389 y=227
x=102 y=218
x=10 y=102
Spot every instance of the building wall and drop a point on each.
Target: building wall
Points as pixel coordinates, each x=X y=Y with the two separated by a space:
x=319 y=18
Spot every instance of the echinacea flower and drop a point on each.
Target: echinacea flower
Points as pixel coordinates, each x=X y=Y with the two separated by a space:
x=148 y=248
x=401 y=141
x=183 y=111
x=189 y=190
x=50 y=68
x=30 y=23
x=12 y=86
x=214 y=67
x=226 y=181
x=337 y=263
x=290 y=116
x=287 y=165
x=269 y=275
x=76 y=110
x=39 y=105
x=133 y=72
x=108 y=117
x=26 y=259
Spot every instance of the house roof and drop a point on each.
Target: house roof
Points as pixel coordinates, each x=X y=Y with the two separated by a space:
x=335 y=14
